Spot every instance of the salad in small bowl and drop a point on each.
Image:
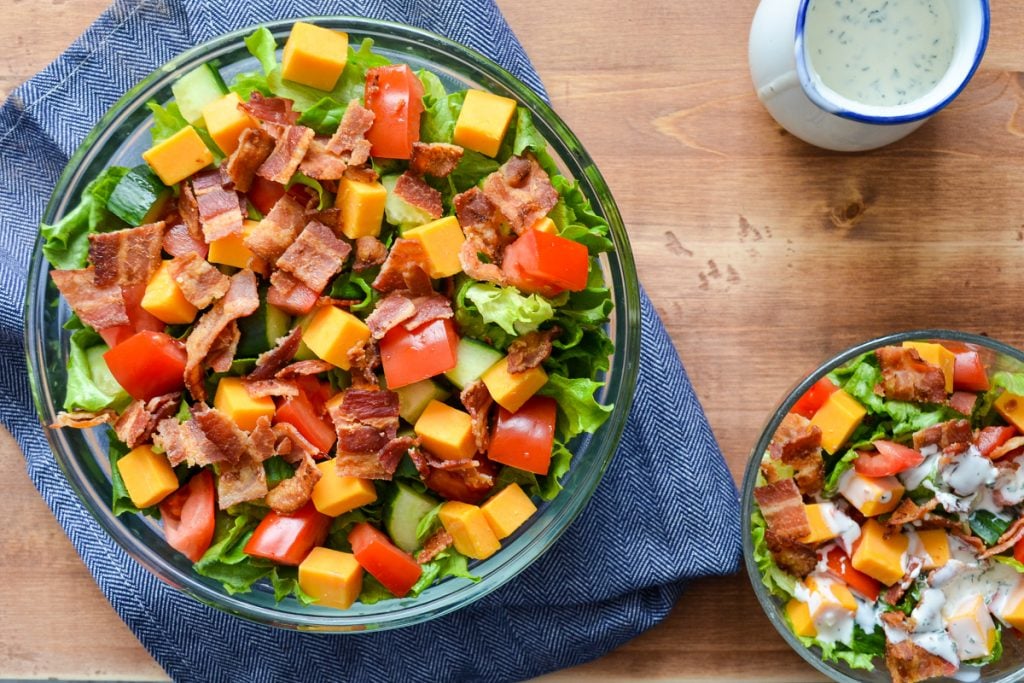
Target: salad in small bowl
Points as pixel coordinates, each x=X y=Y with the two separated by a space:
x=883 y=511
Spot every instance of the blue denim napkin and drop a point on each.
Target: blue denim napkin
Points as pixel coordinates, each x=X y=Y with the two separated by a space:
x=665 y=512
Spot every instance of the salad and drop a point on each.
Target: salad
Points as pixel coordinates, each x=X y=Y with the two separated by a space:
x=889 y=511
x=341 y=325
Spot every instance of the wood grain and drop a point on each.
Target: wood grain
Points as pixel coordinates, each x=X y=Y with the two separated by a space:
x=763 y=255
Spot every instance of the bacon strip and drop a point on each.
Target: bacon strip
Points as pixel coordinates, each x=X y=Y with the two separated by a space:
x=406 y=267
x=908 y=512
x=126 y=257
x=294 y=492
x=906 y=377
x=221 y=431
x=364 y=359
x=270 y=362
x=254 y=146
x=240 y=483
x=440 y=541
x=477 y=400
x=98 y=307
x=83 y=419
x=1007 y=540
x=315 y=256
x=349 y=141
x=481 y=222
x=199 y=281
x=138 y=421
x=895 y=592
x=290 y=295
x=531 y=349
x=783 y=509
x=471 y=264
x=188 y=208
x=438 y=159
x=278 y=229
x=414 y=191
x=220 y=214
x=178 y=241
x=270 y=109
x=370 y=252
x=222 y=353
x=366 y=422
x=468 y=481
x=291 y=147
x=522 y=192
x=391 y=311
x=291 y=445
x=271 y=387
x=322 y=164
x=909 y=663
x=944 y=435
x=797 y=444
x=304 y=368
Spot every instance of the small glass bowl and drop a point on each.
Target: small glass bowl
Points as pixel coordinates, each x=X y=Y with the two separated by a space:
x=996 y=356
x=119 y=139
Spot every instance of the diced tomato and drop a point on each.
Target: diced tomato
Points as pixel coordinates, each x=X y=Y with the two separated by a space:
x=517 y=277
x=991 y=438
x=891 y=458
x=189 y=516
x=428 y=350
x=139 y=318
x=148 y=364
x=814 y=398
x=969 y=372
x=550 y=260
x=1018 y=550
x=287 y=539
x=463 y=484
x=523 y=439
x=389 y=564
x=299 y=412
x=263 y=194
x=839 y=564
x=963 y=402
x=316 y=391
x=178 y=241
x=395 y=96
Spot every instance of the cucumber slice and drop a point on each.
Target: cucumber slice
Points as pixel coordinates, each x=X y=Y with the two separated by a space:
x=404 y=512
x=474 y=359
x=139 y=197
x=261 y=329
x=196 y=89
x=304 y=352
x=399 y=212
x=413 y=398
x=101 y=377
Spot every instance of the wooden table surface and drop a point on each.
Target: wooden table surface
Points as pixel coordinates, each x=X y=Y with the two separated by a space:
x=763 y=255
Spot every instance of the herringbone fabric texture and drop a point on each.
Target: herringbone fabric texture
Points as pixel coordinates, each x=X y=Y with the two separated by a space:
x=666 y=511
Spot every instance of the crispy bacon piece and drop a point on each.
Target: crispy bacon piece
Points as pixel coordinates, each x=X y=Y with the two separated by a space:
x=908 y=512
x=254 y=146
x=1009 y=539
x=1013 y=444
x=362 y=174
x=797 y=445
x=240 y=483
x=304 y=368
x=277 y=230
x=349 y=142
x=370 y=252
x=291 y=147
x=945 y=434
x=330 y=217
x=294 y=492
x=126 y=257
x=522 y=192
x=199 y=281
x=220 y=213
x=140 y=418
x=406 y=267
x=440 y=541
x=315 y=256
x=98 y=307
x=262 y=440
x=783 y=509
x=270 y=362
x=905 y=377
x=415 y=191
x=909 y=663
x=792 y=556
x=241 y=300
x=221 y=431
x=271 y=387
x=438 y=159
x=83 y=419
x=290 y=295
x=477 y=401
x=391 y=311
x=364 y=358
x=429 y=307
x=469 y=258
x=960 y=531
x=222 y=353
x=531 y=349
x=188 y=209
x=179 y=241
x=481 y=221
x=895 y=592
x=322 y=164
x=366 y=422
x=468 y=481
x=270 y=109
x=291 y=445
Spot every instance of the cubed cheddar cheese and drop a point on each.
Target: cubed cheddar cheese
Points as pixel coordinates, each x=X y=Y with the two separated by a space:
x=971 y=628
x=1011 y=407
x=800 y=618
x=470 y=532
x=314 y=56
x=331 y=577
x=1012 y=611
x=231 y=250
x=179 y=156
x=335 y=495
x=817 y=516
x=872 y=496
x=935 y=545
x=442 y=240
x=483 y=122
x=163 y=298
x=833 y=596
x=546 y=225
x=332 y=333
x=362 y=208
x=878 y=556
x=937 y=355
x=147 y=475
x=446 y=432
x=507 y=510
x=837 y=418
x=511 y=391
x=226 y=121
x=234 y=400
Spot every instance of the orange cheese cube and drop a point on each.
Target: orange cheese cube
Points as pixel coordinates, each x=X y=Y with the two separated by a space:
x=147 y=475
x=871 y=495
x=469 y=529
x=799 y=615
x=163 y=298
x=972 y=629
x=226 y=121
x=362 y=208
x=231 y=250
x=331 y=577
x=332 y=333
x=483 y=121
x=507 y=510
x=939 y=356
x=335 y=495
x=546 y=225
x=446 y=432
x=233 y=400
x=314 y=56
x=509 y=390
x=833 y=594
x=880 y=557
x=441 y=239
x=935 y=544
x=179 y=156
x=1012 y=611
x=1011 y=407
x=820 y=529
x=837 y=418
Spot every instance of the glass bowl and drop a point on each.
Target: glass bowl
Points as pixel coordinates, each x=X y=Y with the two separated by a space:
x=997 y=356
x=119 y=139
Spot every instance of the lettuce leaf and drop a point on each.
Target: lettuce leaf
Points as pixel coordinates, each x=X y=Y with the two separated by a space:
x=82 y=391
x=299 y=178
x=507 y=308
x=356 y=287
x=225 y=561
x=449 y=563
x=324 y=117
x=778 y=582
x=544 y=487
x=285 y=581
x=528 y=139
x=576 y=219
x=578 y=410
x=66 y=242
x=841 y=467
x=859 y=654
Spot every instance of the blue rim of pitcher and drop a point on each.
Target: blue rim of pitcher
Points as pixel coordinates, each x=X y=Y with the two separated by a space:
x=811 y=90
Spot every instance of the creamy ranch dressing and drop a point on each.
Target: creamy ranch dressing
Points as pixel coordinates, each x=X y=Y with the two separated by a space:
x=880 y=52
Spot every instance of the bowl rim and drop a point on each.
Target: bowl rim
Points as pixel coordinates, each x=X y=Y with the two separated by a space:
x=768 y=602
x=626 y=318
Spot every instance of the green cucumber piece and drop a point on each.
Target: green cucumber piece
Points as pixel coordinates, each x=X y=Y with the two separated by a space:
x=139 y=197
x=413 y=398
x=196 y=89
x=399 y=212
x=474 y=359
x=102 y=378
x=260 y=330
x=304 y=352
x=404 y=512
